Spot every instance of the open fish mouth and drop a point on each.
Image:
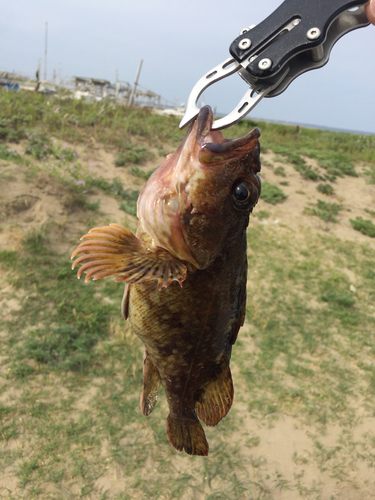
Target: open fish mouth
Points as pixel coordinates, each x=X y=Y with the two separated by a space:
x=214 y=147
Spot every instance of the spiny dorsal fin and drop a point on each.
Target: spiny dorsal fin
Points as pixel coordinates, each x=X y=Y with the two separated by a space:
x=151 y=384
x=114 y=251
x=217 y=396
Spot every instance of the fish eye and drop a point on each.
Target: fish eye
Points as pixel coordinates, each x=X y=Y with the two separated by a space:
x=245 y=193
x=241 y=193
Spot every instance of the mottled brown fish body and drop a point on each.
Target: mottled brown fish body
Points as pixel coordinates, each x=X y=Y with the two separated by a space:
x=188 y=333
x=193 y=213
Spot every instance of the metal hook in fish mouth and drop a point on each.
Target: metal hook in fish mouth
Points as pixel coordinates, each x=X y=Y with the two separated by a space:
x=247 y=103
x=220 y=71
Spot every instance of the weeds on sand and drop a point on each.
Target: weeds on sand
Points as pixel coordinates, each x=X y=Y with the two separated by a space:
x=326 y=211
x=363 y=226
x=271 y=193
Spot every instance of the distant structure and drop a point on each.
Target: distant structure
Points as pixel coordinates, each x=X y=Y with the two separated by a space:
x=88 y=89
x=8 y=80
x=98 y=89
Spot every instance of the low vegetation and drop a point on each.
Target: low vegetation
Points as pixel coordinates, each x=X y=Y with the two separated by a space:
x=326 y=189
x=272 y=194
x=364 y=226
x=325 y=210
x=132 y=155
x=71 y=371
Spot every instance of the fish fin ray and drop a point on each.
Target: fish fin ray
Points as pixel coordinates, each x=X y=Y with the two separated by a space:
x=151 y=384
x=115 y=251
x=217 y=396
x=125 y=302
x=186 y=433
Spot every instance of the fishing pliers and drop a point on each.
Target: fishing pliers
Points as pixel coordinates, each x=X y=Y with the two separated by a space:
x=297 y=37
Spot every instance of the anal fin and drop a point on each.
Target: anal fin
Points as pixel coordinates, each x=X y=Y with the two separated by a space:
x=186 y=433
x=217 y=395
x=151 y=384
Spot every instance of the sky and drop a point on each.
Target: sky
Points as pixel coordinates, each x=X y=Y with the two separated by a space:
x=179 y=41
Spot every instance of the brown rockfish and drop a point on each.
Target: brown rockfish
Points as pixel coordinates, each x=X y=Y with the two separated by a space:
x=193 y=213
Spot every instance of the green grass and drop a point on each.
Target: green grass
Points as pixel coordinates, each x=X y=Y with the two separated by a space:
x=77 y=121
x=326 y=211
x=66 y=335
x=9 y=131
x=137 y=172
x=7 y=155
x=71 y=371
x=296 y=332
x=132 y=155
x=326 y=189
x=69 y=344
x=280 y=171
x=363 y=226
x=39 y=146
x=130 y=197
x=272 y=194
x=370 y=172
x=262 y=214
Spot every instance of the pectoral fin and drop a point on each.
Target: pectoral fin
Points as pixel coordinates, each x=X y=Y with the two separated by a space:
x=114 y=251
x=151 y=384
x=217 y=395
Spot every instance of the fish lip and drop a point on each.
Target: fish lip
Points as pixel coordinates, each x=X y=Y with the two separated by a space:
x=214 y=140
x=205 y=120
x=231 y=144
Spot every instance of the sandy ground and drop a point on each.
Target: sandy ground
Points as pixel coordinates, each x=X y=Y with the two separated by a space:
x=30 y=203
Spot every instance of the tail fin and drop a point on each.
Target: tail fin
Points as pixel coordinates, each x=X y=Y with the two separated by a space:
x=186 y=433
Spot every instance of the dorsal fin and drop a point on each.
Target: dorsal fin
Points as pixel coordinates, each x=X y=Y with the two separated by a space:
x=217 y=395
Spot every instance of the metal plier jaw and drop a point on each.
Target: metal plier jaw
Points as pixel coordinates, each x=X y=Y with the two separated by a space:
x=297 y=37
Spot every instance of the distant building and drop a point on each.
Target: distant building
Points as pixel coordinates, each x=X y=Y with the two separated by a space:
x=98 y=89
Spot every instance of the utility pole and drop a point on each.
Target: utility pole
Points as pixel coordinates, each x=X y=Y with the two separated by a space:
x=116 y=84
x=45 y=52
x=37 y=75
x=131 y=98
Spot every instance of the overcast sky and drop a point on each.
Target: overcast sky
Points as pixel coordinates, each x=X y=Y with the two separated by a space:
x=179 y=42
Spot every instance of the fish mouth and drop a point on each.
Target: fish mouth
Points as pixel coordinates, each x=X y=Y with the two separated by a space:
x=214 y=148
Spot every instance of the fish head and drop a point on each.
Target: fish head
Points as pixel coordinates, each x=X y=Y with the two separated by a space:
x=200 y=198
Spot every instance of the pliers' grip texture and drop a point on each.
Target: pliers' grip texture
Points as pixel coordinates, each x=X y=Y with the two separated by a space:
x=294 y=27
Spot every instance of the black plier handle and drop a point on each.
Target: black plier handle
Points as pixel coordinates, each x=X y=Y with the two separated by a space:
x=297 y=37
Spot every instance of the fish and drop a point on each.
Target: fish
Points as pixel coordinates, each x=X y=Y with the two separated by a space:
x=185 y=274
